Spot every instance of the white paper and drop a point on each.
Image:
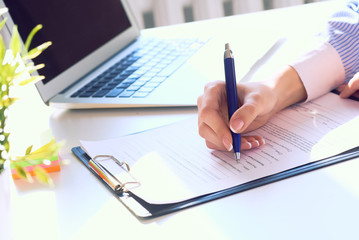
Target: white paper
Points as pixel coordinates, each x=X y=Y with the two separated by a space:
x=172 y=162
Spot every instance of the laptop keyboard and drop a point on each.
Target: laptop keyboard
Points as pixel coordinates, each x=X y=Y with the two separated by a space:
x=142 y=71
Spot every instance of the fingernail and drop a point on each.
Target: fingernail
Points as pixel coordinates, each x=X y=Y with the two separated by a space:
x=236 y=125
x=227 y=143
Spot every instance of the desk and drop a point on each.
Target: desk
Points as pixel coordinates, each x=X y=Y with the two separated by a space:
x=318 y=205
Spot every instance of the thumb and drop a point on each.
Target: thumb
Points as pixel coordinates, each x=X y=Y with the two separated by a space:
x=243 y=117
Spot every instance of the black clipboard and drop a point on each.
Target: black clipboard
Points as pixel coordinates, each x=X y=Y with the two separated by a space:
x=144 y=210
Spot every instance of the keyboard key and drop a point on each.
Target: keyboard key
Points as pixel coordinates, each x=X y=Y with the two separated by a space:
x=140 y=94
x=141 y=82
x=130 y=80
x=133 y=88
x=126 y=93
x=107 y=87
x=85 y=94
x=76 y=94
x=157 y=79
x=112 y=84
x=92 y=89
x=101 y=93
x=146 y=89
x=119 y=78
x=152 y=84
x=149 y=74
x=123 y=85
x=172 y=67
x=115 y=92
x=97 y=85
x=144 y=78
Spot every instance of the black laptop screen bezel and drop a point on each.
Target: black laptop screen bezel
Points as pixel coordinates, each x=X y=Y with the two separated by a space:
x=65 y=65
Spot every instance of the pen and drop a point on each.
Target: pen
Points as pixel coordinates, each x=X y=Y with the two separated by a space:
x=232 y=97
x=100 y=171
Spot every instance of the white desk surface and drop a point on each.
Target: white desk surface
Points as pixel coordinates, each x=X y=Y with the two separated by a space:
x=323 y=204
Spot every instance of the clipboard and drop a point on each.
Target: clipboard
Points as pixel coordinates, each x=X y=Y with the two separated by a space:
x=144 y=210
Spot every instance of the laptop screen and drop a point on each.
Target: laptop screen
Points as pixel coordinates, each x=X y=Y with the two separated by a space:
x=76 y=28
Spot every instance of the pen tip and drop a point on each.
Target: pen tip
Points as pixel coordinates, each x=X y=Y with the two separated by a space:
x=237 y=156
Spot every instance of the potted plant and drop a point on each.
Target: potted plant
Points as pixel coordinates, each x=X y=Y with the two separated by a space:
x=16 y=67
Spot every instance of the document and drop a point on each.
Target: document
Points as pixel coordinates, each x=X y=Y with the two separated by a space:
x=172 y=163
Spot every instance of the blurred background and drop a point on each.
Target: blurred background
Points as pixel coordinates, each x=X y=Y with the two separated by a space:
x=154 y=13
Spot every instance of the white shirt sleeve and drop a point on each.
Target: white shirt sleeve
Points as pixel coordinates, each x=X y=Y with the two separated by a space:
x=320 y=70
x=335 y=61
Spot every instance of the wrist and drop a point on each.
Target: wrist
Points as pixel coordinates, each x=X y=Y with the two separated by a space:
x=288 y=88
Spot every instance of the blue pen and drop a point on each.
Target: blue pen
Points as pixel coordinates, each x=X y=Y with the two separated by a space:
x=232 y=97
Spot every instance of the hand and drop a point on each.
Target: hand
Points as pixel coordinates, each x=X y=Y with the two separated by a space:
x=213 y=115
x=258 y=101
x=350 y=89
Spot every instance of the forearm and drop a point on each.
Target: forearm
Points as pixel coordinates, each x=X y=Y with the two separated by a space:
x=287 y=88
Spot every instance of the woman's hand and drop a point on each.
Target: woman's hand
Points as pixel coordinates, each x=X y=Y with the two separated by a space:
x=258 y=101
x=213 y=122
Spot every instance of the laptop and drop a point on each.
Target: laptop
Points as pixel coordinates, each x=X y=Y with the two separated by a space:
x=99 y=58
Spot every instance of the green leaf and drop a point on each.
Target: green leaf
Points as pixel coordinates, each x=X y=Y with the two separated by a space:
x=31 y=79
x=30 y=37
x=15 y=42
x=28 y=150
x=33 y=53
x=46 y=151
x=42 y=176
x=2 y=49
x=7 y=102
x=30 y=69
x=22 y=173
x=2 y=23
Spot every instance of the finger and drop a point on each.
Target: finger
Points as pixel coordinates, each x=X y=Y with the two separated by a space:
x=255 y=138
x=354 y=81
x=213 y=146
x=346 y=91
x=211 y=137
x=243 y=117
x=350 y=88
x=215 y=122
x=212 y=117
x=341 y=88
x=261 y=140
x=249 y=142
x=212 y=96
